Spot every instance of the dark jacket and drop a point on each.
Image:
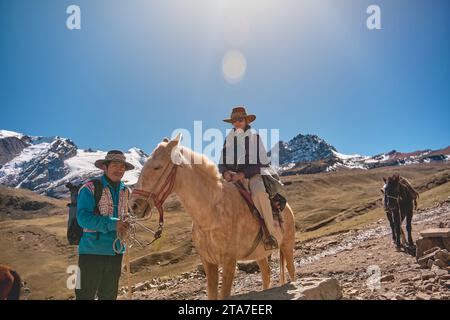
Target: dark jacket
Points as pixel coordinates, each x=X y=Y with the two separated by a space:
x=243 y=152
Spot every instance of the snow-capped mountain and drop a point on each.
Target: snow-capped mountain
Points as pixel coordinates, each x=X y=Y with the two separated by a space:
x=393 y=158
x=310 y=154
x=46 y=164
x=304 y=148
x=11 y=144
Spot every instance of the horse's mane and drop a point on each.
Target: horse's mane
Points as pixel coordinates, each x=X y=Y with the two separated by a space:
x=201 y=163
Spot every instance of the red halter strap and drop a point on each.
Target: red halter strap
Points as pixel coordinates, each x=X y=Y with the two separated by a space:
x=160 y=197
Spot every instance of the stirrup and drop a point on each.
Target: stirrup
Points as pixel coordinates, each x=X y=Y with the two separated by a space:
x=270 y=243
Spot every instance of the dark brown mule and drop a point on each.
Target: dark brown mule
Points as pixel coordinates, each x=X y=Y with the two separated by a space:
x=400 y=200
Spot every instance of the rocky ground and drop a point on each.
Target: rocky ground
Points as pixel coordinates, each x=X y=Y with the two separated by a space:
x=365 y=263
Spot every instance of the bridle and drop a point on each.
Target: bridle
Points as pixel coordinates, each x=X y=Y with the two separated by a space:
x=397 y=200
x=158 y=198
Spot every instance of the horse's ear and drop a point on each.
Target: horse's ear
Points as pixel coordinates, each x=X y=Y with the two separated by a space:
x=175 y=141
x=178 y=137
x=165 y=139
x=384 y=179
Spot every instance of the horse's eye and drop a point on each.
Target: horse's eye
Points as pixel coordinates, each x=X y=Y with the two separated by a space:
x=157 y=167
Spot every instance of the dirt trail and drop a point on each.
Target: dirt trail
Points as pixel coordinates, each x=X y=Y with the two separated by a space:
x=347 y=257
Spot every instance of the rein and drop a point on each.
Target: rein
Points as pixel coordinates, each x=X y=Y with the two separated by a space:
x=159 y=197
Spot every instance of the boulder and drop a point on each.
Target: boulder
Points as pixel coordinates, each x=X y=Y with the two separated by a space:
x=440 y=263
x=438 y=271
x=423 y=261
x=432 y=251
x=436 y=233
x=442 y=255
x=446 y=243
x=423 y=245
x=303 y=289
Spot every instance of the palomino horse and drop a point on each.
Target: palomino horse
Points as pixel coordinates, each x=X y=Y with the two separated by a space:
x=224 y=230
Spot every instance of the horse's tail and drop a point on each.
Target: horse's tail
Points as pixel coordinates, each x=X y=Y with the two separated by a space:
x=282 y=267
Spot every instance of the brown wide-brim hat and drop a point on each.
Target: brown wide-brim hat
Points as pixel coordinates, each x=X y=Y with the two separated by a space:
x=240 y=112
x=114 y=155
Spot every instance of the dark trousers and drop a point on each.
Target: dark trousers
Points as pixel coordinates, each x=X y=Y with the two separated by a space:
x=99 y=276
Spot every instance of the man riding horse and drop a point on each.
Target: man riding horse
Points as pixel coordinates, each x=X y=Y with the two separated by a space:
x=244 y=160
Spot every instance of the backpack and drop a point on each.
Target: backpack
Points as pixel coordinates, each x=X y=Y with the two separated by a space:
x=74 y=231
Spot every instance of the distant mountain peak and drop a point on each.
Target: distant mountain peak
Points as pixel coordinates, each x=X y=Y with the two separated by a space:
x=308 y=153
x=46 y=164
x=304 y=148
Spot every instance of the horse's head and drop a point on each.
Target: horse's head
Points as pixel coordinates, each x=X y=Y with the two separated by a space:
x=392 y=192
x=154 y=176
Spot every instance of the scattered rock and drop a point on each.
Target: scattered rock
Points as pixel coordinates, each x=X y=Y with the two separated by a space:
x=162 y=286
x=353 y=292
x=140 y=286
x=425 y=244
x=200 y=269
x=428 y=275
x=422 y=296
x=432 y=251
x=442 y=255
x=387 y=278
x=438 y=271
x=405 y=280
x=445 y=277
x=303 y=289
x=423 y=261
x=248 y=267
x=447 y=284
x=440 y=263
x=428 y=287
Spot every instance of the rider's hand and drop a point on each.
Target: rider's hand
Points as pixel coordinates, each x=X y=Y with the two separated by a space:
x=238 y=177
x=227 y=175
x=122 y=227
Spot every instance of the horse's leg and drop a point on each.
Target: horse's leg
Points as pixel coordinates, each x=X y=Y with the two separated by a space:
x=391 y=223
x=403 y=234
x=212 y=278
x=288 y=253
x=228 y=270
x=398 y=228
x=265 y=272
x=409 y=216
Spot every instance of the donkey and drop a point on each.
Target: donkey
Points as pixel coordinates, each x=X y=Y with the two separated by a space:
x=400 y=199
x=224 y=230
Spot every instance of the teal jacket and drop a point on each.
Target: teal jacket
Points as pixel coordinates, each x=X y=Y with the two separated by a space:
x=93 y=223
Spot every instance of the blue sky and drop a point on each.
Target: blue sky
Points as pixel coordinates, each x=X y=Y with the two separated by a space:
x=139 y=69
